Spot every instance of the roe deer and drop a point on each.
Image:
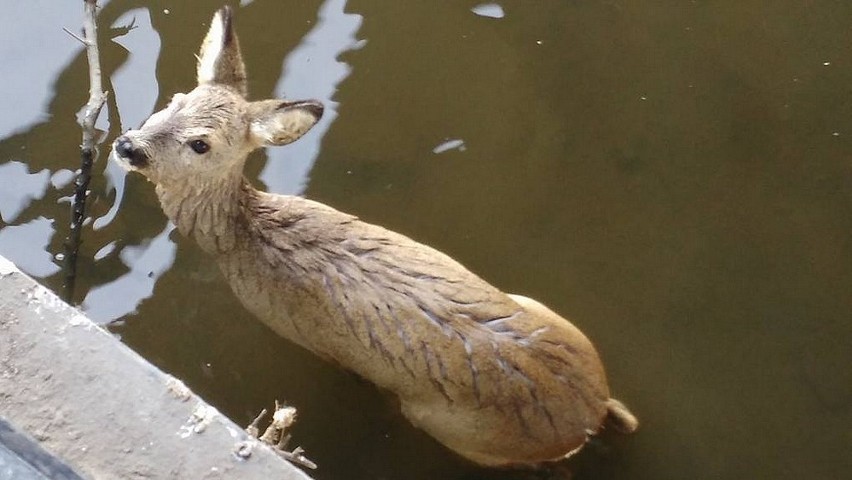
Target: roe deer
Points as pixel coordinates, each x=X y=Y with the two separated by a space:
x=498 y=378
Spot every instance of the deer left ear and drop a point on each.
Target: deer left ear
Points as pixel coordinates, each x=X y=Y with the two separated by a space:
x=277 y=122
x=220 y=61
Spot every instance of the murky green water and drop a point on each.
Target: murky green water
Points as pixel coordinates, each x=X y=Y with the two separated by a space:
x=674 y=176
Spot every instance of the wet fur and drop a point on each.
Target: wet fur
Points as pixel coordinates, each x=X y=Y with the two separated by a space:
x=498 y=378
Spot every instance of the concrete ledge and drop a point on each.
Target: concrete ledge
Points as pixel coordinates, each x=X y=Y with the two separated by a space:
x=21 y=458
x=104 y=410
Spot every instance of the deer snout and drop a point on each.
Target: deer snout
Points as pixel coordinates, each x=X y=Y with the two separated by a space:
x=125 y=149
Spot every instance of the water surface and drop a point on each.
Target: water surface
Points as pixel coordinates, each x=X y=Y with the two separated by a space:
x=673 y=177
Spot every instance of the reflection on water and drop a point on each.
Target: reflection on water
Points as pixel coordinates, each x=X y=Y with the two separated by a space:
x=26 y=245
x=135 y=91
x=312 y=70
x=676 y=179
x=134 y=83
x=491 y=10
x=28 y=73
x=18 y=188
x=120 y=297
x=454 y=144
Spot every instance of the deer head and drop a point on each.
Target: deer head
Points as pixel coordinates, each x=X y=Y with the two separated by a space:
x=203 y=137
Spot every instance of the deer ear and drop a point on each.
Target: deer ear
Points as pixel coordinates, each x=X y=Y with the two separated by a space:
x=220 y=61
x=276 y=122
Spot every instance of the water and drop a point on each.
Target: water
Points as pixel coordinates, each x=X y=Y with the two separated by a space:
x=674 y=177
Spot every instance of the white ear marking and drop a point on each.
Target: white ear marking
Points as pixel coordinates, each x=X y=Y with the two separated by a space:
x=211 y=50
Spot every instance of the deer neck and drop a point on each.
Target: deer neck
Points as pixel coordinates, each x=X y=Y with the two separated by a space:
x=207 y=211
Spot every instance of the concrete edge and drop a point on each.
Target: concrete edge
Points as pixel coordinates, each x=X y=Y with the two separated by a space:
x=21 y=457
x=102 y=408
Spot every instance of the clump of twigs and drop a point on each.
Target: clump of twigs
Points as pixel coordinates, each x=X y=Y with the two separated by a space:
x=277 y=437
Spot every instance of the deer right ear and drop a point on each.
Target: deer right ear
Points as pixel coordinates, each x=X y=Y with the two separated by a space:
x=220 y=61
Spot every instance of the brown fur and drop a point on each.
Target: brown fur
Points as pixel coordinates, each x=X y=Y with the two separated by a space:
x=498 y=378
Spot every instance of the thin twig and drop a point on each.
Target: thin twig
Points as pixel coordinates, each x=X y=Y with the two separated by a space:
x=75 y=36
x=298 y=457
x=253 y=429
x=97 y=97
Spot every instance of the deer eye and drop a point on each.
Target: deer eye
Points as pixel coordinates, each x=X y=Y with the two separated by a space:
x=199 y=146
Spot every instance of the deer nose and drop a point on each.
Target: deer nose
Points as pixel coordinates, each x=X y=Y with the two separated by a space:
x=125 y=149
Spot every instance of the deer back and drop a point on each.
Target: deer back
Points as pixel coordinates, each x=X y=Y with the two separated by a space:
x=465 y=359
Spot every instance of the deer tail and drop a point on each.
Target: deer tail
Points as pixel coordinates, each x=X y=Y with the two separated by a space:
x=619 y=417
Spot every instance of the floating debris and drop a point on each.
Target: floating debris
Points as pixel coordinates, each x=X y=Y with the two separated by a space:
x=453 y=144
x=277 y=436
x=490 y=10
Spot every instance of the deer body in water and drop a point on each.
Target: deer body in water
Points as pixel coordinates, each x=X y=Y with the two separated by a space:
x=498 y=378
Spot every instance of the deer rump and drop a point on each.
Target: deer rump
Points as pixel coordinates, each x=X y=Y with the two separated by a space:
x=498 y=378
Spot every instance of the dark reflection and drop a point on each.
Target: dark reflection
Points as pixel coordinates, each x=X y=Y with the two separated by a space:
x=675 y=178
x=51 y=146
x=312 y=70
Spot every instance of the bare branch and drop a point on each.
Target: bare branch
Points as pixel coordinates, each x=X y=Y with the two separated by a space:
x=97 y=98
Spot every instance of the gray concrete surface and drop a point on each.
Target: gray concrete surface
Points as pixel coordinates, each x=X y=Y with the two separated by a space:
x=104 y=410
x=22 y=458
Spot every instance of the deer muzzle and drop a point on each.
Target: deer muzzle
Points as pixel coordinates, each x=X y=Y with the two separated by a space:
x=125 y=150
